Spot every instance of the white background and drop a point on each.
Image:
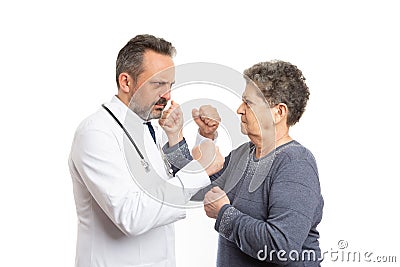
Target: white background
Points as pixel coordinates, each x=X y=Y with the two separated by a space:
x=57 y=65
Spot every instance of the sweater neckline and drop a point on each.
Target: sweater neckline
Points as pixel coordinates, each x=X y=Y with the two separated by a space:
x=272 y=153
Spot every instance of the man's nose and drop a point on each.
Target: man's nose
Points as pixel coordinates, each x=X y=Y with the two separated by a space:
x=166 y=94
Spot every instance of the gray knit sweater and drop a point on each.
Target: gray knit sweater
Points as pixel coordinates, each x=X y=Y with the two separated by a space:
x=276 y=205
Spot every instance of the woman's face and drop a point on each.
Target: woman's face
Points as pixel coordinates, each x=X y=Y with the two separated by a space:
x=256 y=119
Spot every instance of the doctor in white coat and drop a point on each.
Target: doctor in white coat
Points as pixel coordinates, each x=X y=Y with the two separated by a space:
x=126 y=200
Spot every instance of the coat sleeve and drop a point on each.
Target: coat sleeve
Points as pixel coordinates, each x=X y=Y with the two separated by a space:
x=97 y=158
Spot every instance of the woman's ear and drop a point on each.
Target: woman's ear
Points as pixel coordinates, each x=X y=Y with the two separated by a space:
x=280 y=113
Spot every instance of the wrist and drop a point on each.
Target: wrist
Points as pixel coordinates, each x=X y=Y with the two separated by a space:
x=219 y=207
x=174 y=138
x=219 y=216
x=211 y=136
x=211 y=170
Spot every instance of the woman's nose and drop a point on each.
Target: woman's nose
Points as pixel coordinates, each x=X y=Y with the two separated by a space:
x=240 y=109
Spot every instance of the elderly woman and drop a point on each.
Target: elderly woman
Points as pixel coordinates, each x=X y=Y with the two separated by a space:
x=266 y=199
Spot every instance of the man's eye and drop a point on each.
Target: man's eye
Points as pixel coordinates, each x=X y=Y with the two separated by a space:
x=160 y=83
x=157 y=84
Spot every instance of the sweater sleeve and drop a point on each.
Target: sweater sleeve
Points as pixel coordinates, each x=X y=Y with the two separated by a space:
x=293 y=200
x=178 y=155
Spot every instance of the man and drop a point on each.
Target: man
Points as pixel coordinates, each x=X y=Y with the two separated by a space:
x=266 y=200
x=125 y=196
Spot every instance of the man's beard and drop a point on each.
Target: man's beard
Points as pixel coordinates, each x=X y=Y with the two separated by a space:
x=148 y=113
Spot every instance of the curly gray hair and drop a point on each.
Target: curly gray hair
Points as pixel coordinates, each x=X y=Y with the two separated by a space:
x=281 y=82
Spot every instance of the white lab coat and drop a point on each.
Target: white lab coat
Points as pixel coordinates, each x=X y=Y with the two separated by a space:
x=121 y=220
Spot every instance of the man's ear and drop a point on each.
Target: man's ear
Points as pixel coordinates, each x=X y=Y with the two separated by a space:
x=125 y=82
x=280 y=113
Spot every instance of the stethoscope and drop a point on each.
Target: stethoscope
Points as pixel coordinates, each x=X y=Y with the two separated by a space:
x=143 y=161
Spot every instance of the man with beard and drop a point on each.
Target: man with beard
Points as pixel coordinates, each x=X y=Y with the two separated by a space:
x=126 y=195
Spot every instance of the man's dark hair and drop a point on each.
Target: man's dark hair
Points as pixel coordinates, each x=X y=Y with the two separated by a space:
x=281 y=82
x=130 y=57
